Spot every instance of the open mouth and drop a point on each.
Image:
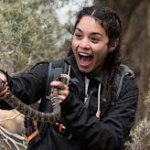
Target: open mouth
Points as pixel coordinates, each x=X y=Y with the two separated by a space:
x=85 y=59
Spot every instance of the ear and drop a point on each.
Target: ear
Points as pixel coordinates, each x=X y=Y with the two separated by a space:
x=113 y=45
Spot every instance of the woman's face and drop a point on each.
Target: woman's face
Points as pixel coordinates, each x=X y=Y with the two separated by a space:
x=89 y=45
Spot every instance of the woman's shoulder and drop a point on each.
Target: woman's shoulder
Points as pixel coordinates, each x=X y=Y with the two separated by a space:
x=125 y=77
x=40 y=64
x=124 y=70
x=44 y=64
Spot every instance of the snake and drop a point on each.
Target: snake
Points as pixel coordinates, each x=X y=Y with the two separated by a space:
x=28 y=111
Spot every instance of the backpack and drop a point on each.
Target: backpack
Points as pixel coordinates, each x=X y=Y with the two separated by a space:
x=45 y=105
x=54 y=71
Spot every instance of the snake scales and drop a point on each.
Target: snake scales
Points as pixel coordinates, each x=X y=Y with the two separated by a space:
x=28 y=111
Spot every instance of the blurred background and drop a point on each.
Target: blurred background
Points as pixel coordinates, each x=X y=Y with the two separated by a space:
x=40 y=30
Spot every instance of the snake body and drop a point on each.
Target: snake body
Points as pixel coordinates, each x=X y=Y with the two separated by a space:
x=28 y=111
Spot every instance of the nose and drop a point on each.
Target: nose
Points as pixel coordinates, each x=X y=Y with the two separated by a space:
x=85 y=43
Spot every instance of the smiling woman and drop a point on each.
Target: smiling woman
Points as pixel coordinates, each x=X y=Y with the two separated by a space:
x=90 y=44
x=99 y=102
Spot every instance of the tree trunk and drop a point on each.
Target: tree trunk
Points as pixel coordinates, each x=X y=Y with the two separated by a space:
x=135 y=52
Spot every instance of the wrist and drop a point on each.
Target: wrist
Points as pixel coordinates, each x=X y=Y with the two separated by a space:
x=3 y=75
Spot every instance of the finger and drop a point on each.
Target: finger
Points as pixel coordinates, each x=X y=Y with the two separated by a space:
x=3 y=77
x=3 y=82
x=3 y=86
x=2 y=93
x=57 y=84
x=64 y=92
x=61 y=98
x=4 y=96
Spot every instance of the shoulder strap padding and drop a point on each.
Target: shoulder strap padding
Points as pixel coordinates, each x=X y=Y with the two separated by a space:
x=54 y=71
x=123 y=71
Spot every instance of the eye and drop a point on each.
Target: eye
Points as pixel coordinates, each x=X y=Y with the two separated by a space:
x=94 y=39
x=78 y=36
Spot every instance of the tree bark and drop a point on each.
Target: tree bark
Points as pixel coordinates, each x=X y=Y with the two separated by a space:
x=135 y=16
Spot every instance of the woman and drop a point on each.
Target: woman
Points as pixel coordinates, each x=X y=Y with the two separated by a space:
x=94 y=116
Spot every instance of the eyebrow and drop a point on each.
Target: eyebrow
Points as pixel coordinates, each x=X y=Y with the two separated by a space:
x=93 y=33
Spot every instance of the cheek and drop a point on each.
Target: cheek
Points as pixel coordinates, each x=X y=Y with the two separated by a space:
x=74 y=46
x=101 y=50
x=100 y=54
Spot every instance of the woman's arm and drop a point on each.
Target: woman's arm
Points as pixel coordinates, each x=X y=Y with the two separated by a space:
x=108 y=133
x=29 y=87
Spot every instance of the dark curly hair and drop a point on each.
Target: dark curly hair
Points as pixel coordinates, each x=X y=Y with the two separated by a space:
x=111 y=22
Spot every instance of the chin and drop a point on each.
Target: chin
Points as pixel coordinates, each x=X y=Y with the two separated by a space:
x=86 y=71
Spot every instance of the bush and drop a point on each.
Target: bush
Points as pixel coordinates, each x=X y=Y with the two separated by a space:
x=28 y=32
x=140 y=135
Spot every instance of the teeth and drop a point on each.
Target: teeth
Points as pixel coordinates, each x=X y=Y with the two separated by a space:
x=84 y=54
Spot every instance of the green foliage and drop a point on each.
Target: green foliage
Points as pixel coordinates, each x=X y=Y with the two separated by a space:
x=28 y=29
x=140 y=134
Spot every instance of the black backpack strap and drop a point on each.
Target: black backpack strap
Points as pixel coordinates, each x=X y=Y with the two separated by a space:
x=123 y=71
x=54 y=71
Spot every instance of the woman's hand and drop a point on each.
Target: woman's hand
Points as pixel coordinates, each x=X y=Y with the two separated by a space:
x=63 y=90
x=3 y=86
